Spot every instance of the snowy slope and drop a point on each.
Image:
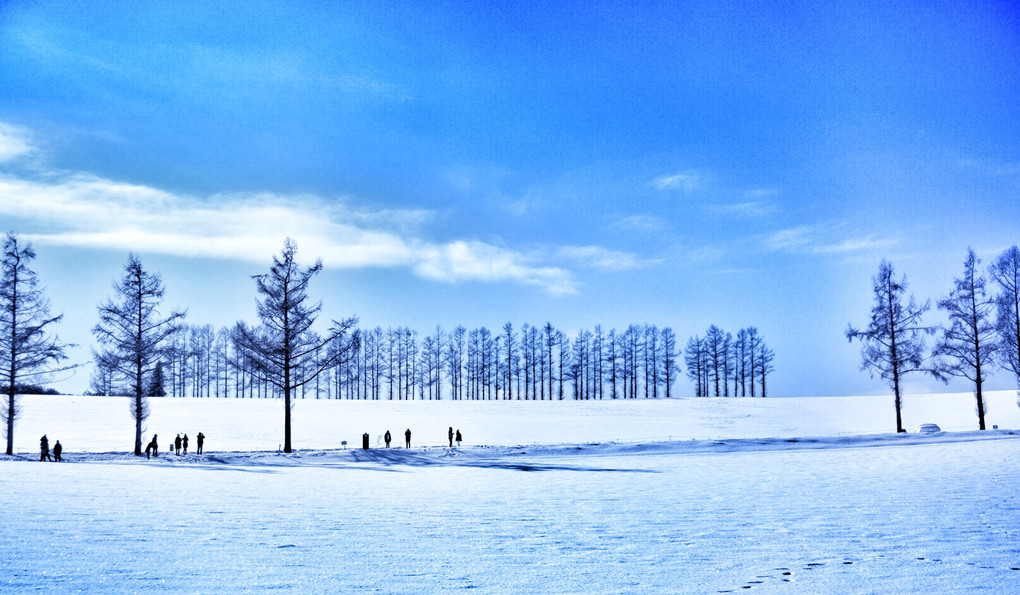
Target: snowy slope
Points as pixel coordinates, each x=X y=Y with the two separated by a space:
x=687 y=496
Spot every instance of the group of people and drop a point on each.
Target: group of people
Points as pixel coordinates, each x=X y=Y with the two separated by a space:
x=152 y=449
x=387 y=438
x=179 y=443
x=407 y=438
x=44 y=450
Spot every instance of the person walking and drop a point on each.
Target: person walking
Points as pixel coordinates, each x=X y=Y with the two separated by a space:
x=407 y=437
x=155 y=446
x=177 y=444
x=458 y=438
x=387 y=438
x=201 y=439
x=449 y=435
x=185 y=443
x=44 y=449
x=57 y=449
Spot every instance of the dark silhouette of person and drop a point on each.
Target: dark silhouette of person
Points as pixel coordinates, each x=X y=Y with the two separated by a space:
x=155 y=447
x=458 y=438
x=387 y=438
x=148 y=449
x=200 y=439
x=57 y=449
x=407 y=437
x=185 y=443
x=177 y=444
x=449 y=434
x=44 y=449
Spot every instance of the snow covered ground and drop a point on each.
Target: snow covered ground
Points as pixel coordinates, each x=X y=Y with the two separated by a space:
x=686 y=495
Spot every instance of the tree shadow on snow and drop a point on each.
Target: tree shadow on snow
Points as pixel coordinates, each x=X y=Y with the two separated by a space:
x=414 y=459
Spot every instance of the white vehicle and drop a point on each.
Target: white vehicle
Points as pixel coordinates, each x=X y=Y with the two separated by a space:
x=927 y=429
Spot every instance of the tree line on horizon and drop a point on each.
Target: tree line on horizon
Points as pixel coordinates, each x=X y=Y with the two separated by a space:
x=143 y=352
x=983 y=331
x=530 y=363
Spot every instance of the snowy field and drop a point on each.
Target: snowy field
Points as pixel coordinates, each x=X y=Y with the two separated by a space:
x=681 y=496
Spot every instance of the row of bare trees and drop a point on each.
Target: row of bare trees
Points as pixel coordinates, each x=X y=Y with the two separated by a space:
x=530 y=363
x=723 y=365
x=982 y=334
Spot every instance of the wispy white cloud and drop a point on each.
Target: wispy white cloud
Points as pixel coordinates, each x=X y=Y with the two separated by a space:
x=818 y=239
x=14 y=142
x=748 y=210
x=686 y=181
x=760 y=193
x=640 y=223
x=90 y=212
x=596 y=257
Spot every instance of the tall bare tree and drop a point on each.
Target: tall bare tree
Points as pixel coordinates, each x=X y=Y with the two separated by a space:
x=893 y=342
x=670 y=368
x=694 y=358
x=1006 y=273
x=132 y=333
x=968 y=346
x=285 y=351
x=30 y=354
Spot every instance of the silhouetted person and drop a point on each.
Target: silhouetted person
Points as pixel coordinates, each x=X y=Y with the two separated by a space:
x=387 y=438
x=44 y=449
x=177 y=444
x=449 y=434
x=200 y=438
x=155 y=447
x=57 y=449
x=185 y=443
x=407 y=437
x=148 y=449
x=458 y=438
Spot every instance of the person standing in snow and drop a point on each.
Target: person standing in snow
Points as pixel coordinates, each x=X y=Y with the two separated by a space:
x=177 y=444
x=458 y=438
x=449 y=434
x=407 y=437
x=57 y=449
x=387 y=438
x=44 y=449
x=155 y=447
x=201 y=439
x=185 y=443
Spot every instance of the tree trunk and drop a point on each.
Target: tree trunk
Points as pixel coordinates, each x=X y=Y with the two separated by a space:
x=10 y=422
x=138 y=425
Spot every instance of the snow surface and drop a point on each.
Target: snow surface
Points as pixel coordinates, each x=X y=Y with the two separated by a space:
x=680 y=496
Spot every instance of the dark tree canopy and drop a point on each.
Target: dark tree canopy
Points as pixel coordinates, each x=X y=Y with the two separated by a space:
x=1006 y=273
x=893 y=342
x=284 y=350
x=133 y=334
x=967 y=347
x=30 y=354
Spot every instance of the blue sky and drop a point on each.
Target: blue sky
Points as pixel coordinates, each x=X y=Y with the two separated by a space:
x=581 y=163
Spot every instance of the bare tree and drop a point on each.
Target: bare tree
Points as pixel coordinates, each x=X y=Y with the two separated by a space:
x=968 y=347
x=763 y=365
x=1006 y=273
x=694 y=358
x=285 y=352
x=754 y=342
x=893 y=343
x=133 y=333
x=29 y=352
x=716 y=346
